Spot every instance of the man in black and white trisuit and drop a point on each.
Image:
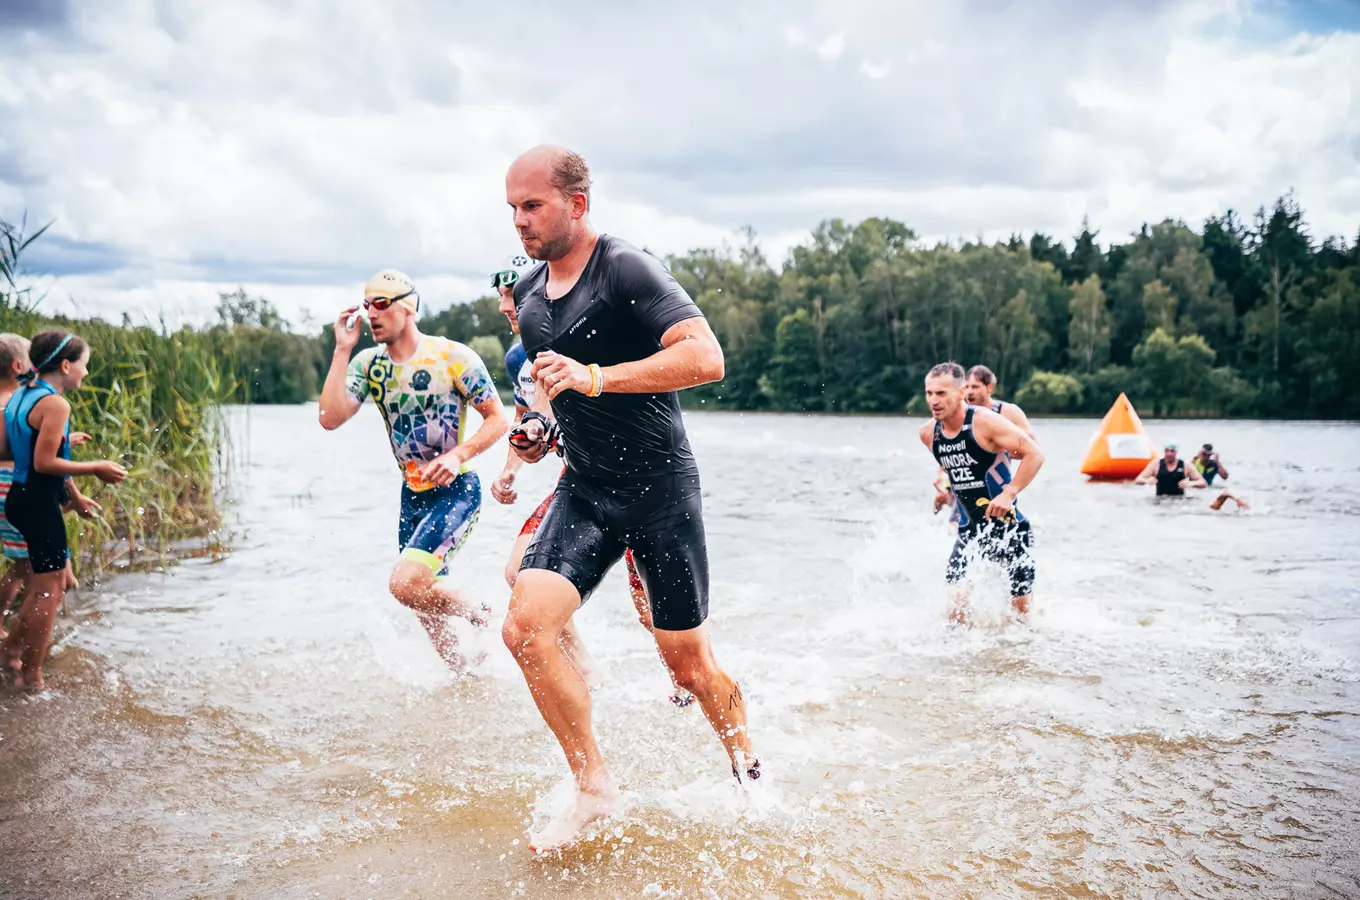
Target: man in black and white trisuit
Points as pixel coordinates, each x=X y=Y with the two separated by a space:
x=975 y=446
x=612 y=337
x=977 y=390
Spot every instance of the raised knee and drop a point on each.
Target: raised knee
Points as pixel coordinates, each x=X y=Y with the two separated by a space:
x=518 y=635
x=408 y=590
x=693 y=677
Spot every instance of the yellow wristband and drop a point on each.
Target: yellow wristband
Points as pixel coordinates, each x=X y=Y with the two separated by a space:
x=596 y=380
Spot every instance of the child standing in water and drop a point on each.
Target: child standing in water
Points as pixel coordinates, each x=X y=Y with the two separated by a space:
x=38 y=430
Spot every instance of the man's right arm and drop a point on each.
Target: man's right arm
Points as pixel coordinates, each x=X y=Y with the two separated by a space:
x=338 y=405
x=1149 y=472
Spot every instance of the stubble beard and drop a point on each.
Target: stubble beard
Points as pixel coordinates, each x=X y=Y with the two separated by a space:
x=552 y=249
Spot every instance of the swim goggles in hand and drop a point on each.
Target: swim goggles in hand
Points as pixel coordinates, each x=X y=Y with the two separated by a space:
x=552 y=435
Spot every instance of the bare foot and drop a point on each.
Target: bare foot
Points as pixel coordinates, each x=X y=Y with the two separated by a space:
x=28 y=684
x=752 y=767
x=1021 y=607
x=959 y=615
x=597 y=802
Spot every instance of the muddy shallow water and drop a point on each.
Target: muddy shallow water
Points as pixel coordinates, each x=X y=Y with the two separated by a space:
x=1181 y=718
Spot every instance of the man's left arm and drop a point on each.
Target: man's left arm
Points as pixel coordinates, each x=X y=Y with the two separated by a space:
x=1016 y=416
x=689 y=356
x=996 y=433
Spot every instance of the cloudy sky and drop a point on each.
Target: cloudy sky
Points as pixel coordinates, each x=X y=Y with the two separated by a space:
x=295 y=146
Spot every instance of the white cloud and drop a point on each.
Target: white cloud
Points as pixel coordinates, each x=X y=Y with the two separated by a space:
x=188 y=147
x=832 y=47
x=874 y=70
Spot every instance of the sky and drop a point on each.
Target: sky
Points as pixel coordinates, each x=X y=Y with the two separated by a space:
x=294 y=147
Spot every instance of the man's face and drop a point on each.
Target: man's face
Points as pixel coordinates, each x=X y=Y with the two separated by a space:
x=976 y=393
x=388 y=324
x=545 y=219
x=944 y=395
x=1169 y=454
x=507 y=306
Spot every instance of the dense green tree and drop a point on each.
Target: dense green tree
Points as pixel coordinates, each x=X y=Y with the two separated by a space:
x=1050 y=392
x=1173 y=371
x=1235 y=319
x=1089 y=328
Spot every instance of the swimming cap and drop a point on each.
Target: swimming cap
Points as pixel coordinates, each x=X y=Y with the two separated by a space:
x=515 y=268
x=393 y=285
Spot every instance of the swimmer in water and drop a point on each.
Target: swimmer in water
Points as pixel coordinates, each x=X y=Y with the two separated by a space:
x=517 y=368
x=977 y=390
x=422 y=385
x=1173 y=476
x=609 y=382
x=976 y=446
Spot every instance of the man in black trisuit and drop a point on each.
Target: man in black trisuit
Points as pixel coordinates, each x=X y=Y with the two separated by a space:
x=975 y=446
x=612 y=337
x=1171 y=474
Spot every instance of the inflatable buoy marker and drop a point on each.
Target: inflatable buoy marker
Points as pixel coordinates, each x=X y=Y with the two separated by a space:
x=1120 y=447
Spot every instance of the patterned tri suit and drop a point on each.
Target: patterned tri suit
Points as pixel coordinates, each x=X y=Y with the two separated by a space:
x=424 y=403
x=976 y=476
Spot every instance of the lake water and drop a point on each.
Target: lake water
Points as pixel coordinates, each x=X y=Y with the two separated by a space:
x=1181 y=717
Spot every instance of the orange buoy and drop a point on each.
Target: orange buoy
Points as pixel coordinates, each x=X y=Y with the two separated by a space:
x=1120 y=448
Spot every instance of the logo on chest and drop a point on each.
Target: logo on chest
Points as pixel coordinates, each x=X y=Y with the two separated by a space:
x=420 y=381
x=578 y=328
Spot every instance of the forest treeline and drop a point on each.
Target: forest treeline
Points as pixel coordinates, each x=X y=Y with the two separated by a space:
x=1237 y=318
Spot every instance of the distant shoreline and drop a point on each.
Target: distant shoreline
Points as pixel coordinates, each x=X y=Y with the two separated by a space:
x=1041 y=416
x=508 y=400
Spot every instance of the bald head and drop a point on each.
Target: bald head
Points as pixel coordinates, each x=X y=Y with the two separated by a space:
x=566 y=170
x=549 y=189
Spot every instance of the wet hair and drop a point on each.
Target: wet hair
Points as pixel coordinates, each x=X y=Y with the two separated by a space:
x=13 y=348
x=571 y=175
x=47 y=351
x=951 y=369
x=984 y=375
x=1209 y=447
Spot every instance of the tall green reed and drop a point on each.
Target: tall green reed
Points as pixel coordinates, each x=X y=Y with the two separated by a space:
x=152 y=400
